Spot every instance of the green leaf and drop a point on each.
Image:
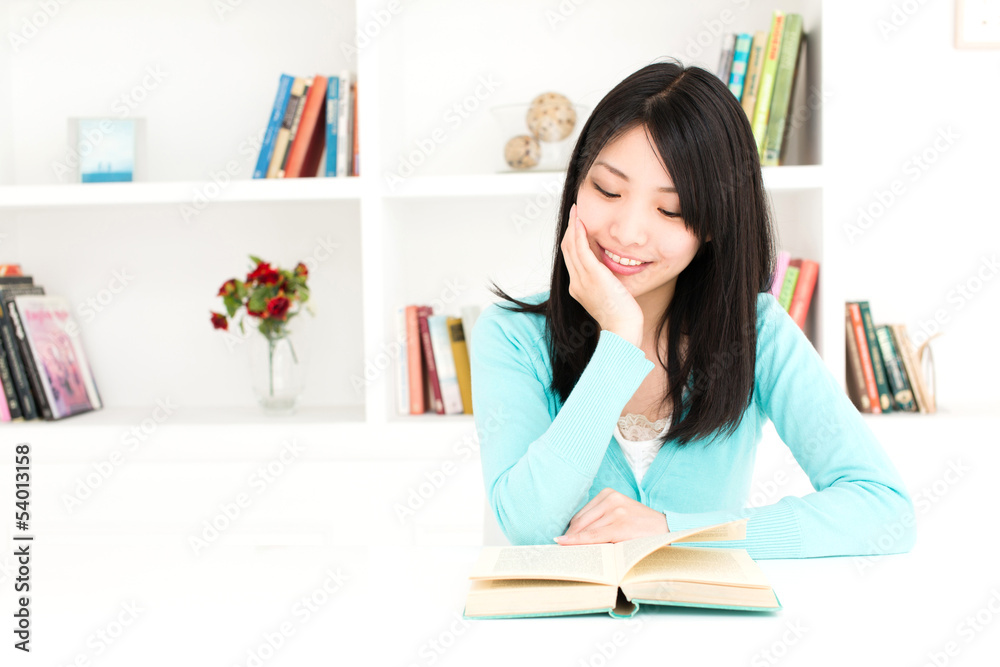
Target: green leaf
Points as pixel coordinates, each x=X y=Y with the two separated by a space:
x=256 y=260
x=232 y=304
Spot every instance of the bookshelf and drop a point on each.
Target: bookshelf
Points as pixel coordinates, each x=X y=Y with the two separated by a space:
x=395 y=244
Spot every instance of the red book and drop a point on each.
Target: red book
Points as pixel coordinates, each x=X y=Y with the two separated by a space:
x=802 y=296
x=414 y=363
x=866 y=358
x=355 y=166
x=307 y=147
x=423 y=312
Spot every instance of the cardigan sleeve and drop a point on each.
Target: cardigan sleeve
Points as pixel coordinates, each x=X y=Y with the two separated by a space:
x=860 y=505
x=538 y=470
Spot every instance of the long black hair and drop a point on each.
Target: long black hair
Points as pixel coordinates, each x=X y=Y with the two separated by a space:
x=706 y=144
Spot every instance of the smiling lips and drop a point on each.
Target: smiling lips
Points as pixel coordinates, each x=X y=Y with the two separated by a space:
x=629 y=268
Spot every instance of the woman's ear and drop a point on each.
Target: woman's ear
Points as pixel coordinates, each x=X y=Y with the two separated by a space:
x=708 y=238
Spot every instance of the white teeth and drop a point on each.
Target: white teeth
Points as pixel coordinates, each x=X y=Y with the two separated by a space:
x=623 y=262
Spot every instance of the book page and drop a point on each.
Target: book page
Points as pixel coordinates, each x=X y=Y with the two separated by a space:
x=630 y=552
x=577 y=562
x=708 y=565
x=515 y=597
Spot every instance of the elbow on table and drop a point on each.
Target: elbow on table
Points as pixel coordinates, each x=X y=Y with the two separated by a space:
x=896 y=531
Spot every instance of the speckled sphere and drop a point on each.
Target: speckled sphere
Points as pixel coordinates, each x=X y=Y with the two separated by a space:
x=522 y=152
x=546 y=99
x=551 y=117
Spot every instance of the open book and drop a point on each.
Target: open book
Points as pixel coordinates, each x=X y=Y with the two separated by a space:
x=553 y=580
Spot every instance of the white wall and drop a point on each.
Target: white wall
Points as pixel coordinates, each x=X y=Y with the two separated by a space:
x=892 y=94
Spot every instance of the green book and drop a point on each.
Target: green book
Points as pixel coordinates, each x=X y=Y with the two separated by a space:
x=784 y=86
x=788 y=287
x=902 y=393
x=878 y=366
x=541 y=580
x=767 y=74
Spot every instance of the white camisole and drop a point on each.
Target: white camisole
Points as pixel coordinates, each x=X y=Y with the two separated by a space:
x=637 y=438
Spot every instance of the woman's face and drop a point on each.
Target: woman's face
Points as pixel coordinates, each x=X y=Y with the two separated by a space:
x=629 y=206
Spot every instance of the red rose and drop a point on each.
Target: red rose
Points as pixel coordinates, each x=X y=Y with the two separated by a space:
x=277 y=308
x=219 y=321
x=255 y=313
x=263 y=274
x=228 y=287
x=301 y=270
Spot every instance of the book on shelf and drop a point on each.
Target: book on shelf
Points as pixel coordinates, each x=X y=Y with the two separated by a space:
x=56 y=350
x=748 y=97
x=311 y=129
x=762 y=71
x=885 y=373
x=433 y=373
x=793 y=284
x=307 y=147
x=555 y=580
x=784 y=89
x=741 y=56
x=44 y=372
x=726 y=56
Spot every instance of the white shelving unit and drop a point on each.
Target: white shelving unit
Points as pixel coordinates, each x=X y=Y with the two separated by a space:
x=427 y=77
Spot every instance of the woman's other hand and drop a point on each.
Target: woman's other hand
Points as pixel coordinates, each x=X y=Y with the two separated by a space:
x=613 y=517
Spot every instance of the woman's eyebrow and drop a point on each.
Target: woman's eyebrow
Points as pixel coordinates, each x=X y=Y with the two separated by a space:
x=618 y=172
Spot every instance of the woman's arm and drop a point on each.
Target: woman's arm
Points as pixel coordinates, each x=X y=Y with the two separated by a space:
x=537 y=470
x=861 y=505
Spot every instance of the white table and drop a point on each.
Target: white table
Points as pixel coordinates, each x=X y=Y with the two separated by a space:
x=160 y=604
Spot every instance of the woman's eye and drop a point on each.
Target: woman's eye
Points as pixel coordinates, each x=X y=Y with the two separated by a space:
x=606 y=194
x=669 y=214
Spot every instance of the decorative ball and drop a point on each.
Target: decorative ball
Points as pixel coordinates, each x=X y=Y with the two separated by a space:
x=551 y=121
x=550 y=98
x=522 y=152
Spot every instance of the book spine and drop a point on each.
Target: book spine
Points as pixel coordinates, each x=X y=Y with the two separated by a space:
x=726 y=56
x=866 y=360
x=740 y=57
x=402 y=365
x=356 y=164
x=18 y=372
x=905 y=349
x=10 y=407
x=784 y=80
x=460 y=352
x=344 y=123
x=302 y=152
x=415 y=361
x=273 y=125
x=788 y=284
x=762 y=106
x=855 y=376
x=865 y=356
x=878 y=366
x=425 y=336
x=901 y=392
x=444 y=361
x=31 y=369
x=296 y=125
x=781 y=265
x=332 y=113
x=804 y=288
x=752 y=83
x=283 y=137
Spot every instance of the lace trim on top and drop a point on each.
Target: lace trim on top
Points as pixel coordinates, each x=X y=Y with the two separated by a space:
x=638 y=428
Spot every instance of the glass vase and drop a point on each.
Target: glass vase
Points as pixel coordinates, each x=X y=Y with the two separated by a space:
x=277 y=370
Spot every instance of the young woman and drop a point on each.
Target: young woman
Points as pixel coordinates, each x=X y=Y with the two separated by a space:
x=629 y=398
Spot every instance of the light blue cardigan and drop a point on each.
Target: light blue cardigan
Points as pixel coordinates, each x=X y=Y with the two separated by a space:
x=542 y=460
